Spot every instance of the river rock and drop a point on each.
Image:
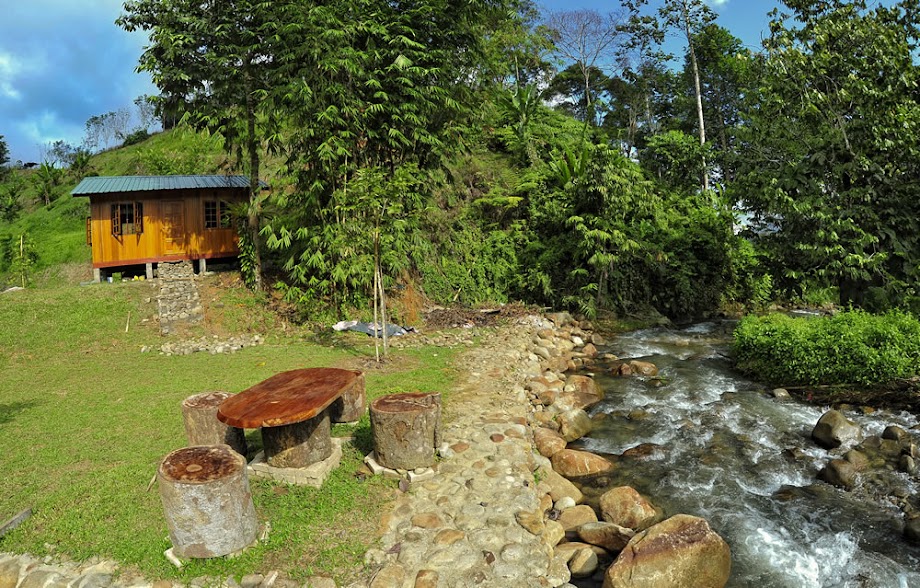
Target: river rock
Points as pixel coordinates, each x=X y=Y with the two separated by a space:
x=557 y=486
x=643 y=368
x=574 y=424
x=840 y=473
x=572 y=518
x=833 y=430
x=681 y=552
x=859 y=460
x=908 y=465
x=553 y=533
x=582 y=559
x=548 y=442
x=896 y=433
x=912 y=530
x=780 y=393
x=625 y=507
x=572 y=463
x=610 y=536
x=580 y=392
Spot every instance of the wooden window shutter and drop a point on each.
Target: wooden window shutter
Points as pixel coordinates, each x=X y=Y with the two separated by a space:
x=138 y=217
x=89 y=230
x=116 y=220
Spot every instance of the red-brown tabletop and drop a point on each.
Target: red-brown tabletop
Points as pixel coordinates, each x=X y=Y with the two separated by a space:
x=286 y=398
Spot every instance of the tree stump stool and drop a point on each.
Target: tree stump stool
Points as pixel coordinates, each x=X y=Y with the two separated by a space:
x=199 y=412
x=406 y=428
x=206 y=498
x=351 y=404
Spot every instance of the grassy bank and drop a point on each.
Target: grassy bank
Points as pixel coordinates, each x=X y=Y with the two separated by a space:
x=85 y=419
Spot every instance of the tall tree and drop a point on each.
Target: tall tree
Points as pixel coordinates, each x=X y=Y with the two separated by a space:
x=377 y=87
x=217 y=58
x=4 y=158
x=686 y=18
x=727 y=73
x=587 y=41
x=831 y=151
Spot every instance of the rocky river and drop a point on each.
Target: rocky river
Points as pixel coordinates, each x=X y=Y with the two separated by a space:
x=700 y=439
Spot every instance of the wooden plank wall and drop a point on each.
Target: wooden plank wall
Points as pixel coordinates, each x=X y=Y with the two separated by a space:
x=150 y=246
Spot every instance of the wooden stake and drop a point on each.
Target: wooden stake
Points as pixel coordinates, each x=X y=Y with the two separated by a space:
x=383 y=311
x=22 y=257
x=128 y=322
x=376 y=338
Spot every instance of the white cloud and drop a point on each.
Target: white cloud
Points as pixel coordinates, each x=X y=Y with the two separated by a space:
x=9 y=67
x=717 y=3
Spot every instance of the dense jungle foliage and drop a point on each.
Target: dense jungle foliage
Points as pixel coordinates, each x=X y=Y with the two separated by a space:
x=479 y=152
x=851 y=348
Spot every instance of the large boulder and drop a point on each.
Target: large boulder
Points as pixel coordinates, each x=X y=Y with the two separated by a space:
x=582 y=559
x=833 y=430
x=636 y=368
x=556 y=486
x=681 y=552
x=839 y=472
x=625 y=507
x=572 y=463
x=572 y=518
x=579 y=392
x=548 y=442
x=643 y=368
x=574 y=424
x=607 y=535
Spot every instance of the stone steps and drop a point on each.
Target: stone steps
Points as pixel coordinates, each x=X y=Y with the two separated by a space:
x=178 y=300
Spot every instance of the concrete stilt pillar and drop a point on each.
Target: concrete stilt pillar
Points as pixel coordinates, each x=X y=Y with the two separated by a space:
x=97 y=275
x=202 y=266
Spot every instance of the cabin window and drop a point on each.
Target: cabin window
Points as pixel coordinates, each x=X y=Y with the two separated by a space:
x=216 y=214
x=127 y=218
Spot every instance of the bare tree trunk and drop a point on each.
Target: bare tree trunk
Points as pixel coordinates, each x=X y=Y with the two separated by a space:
x=252 y=147
x=696 y=89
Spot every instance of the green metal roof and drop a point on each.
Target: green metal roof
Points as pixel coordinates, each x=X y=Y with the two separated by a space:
x=113 y=184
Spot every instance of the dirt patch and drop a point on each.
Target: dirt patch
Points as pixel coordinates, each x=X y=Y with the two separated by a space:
x=452 y=318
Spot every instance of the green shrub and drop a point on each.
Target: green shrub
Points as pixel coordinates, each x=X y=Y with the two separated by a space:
x=849 y=348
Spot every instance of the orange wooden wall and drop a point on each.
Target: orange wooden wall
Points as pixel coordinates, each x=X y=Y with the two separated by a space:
x=157 y=242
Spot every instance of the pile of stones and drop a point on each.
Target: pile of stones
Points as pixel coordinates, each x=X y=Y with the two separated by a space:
x=460 y=338
x=213 y=345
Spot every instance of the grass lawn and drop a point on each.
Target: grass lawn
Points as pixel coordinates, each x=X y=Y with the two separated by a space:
x=85 y=419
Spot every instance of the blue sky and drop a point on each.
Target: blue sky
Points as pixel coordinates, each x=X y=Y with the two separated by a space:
x=63 y=61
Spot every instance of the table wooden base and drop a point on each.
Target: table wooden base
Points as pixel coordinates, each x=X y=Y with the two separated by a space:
x=298 y=445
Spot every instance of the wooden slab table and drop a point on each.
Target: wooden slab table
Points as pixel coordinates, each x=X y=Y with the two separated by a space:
x=291 y=409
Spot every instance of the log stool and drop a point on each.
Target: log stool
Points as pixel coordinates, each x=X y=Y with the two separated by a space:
x=351 y=404
x=199 y=412
x=206 y=498
x=406 y=428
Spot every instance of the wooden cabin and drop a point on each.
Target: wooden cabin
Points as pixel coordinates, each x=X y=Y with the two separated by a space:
x=145 y=220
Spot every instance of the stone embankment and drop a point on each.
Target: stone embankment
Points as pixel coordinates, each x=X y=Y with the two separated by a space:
x=501 y=514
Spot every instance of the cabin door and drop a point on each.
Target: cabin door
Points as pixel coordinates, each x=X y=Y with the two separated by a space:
x=173 y=227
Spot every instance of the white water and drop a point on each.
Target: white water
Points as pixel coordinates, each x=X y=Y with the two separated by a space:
x=722 y=441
